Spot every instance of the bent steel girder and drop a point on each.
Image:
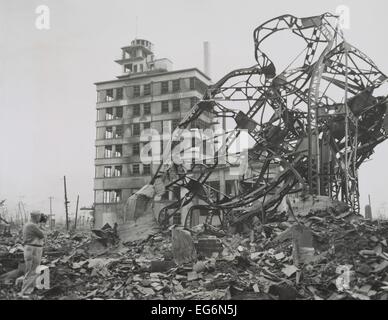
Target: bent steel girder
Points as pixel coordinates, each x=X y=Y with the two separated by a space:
x=315 y=121
x=346 y=69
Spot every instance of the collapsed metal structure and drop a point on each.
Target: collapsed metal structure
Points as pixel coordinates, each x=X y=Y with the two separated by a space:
x=318 y=119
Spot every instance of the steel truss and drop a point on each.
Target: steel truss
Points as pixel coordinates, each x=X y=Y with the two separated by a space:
x=317 y=121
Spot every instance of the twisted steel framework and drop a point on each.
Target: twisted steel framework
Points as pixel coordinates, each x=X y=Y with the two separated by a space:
x=317 y=120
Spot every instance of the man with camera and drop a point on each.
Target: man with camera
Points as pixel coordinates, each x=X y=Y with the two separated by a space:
x=33 y=240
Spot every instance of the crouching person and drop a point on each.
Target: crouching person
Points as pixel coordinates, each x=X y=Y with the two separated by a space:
x=33 y=240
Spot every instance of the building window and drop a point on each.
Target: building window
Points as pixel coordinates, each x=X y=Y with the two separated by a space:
x=193 y=101
x=118 y=150
x=136 y=110
x=176 y=86
x=108 y=152
x=107 y=172
x=146 y=125
x=109 y=95
x=119 y=93
x=112 y=196
x=165 y=107
x=164 y=126
x=119 y=132
x=128 y=68
x=99 y=114
x=119 y=112
x=108 y=133
x=136 y=168
x=147 y=89
x=192 y=83
x=146 y=169
x=136 y=129
x=176 y=105
x=135 y=149
x=147 y=109
x=109 y=114
x=118 y=171
x=136 y=91
x=200 y=86
x=164 y=87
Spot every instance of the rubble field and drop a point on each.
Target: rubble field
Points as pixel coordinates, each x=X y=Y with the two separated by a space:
x=349 y=261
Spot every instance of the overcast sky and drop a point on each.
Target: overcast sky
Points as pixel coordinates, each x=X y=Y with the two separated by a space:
x=47 y=96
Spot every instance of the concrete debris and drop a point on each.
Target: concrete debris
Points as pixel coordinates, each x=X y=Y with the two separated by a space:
x=183 y=247
x=143 y=228
x=312 y=203
x=208 y=246
x=289 y=270
x=139 y=221
x=139 y=204
x=349 y=261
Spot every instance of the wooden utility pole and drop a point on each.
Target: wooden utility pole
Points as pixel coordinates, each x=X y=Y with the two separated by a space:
x=24 y=214
x=20 y=214
x=51 y=213
x=66 y=204
x=76 y=214
x=370 y=205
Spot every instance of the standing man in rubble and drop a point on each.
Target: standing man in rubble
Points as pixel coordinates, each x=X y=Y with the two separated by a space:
x=33 y=240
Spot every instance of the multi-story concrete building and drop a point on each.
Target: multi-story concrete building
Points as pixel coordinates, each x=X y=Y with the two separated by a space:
x=148 y=94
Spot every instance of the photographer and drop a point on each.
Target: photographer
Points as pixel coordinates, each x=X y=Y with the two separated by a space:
x=33 y=240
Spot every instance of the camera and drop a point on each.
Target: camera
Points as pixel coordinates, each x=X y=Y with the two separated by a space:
x=43 y=218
